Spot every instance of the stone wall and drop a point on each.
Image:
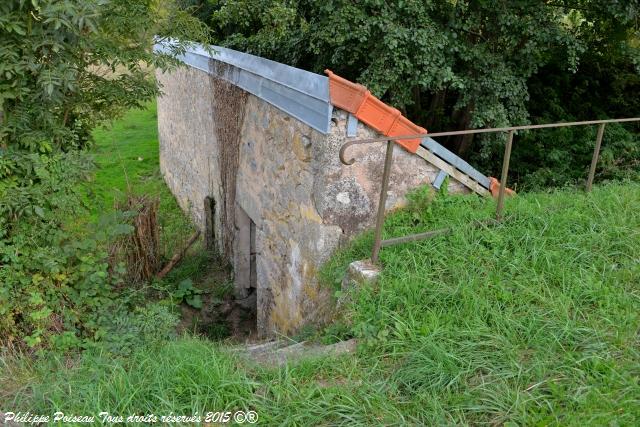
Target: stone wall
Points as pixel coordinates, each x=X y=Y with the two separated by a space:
x=290 y=182
x=189 y=155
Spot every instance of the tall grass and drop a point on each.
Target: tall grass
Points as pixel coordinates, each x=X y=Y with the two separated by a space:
x=534 y=321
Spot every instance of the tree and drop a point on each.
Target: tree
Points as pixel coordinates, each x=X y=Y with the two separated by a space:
x=601 y=86
x=448 y=65
x=65 y=67
x=68 y=65
x=423 y=56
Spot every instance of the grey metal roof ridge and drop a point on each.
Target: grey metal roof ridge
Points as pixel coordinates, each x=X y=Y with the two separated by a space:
x=312 y=84
x=451 y=158
x=302 y=94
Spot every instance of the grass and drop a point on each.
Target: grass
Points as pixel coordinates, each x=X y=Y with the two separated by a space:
x=127 y=158
x=126 y=154
x=534 y=321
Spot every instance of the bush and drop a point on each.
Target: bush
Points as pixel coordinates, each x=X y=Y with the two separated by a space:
x=557 y=157
x=54 y=285
x=143 y=326
x=67 y=66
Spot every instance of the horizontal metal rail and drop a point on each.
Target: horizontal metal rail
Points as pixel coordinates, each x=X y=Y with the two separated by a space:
x=379 y=243
x=433 y=233
x=414 y=237
x=498 y=130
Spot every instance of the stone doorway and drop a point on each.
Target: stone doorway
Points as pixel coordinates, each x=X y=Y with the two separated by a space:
x=245 y=260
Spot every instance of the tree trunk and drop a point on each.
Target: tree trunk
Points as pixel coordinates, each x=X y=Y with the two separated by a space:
x=462 y=143
x=435 y=110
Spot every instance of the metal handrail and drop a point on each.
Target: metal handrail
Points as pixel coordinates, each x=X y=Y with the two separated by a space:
x=378 y=242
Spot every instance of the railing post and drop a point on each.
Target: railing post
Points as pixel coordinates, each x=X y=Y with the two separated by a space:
x=596 y=155
x=383 y=201
x=503 y=178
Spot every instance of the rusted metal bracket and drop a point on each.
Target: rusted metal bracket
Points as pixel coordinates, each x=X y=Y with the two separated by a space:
x=348 y=144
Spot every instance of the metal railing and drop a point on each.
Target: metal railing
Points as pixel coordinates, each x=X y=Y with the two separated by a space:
x=510 y=131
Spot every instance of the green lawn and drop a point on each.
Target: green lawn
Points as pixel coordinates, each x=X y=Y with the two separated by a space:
x=127 y=155
x=534 y=321
x=127 y=159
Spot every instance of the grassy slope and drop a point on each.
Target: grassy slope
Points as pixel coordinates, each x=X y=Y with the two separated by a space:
x=534 y=321
x=127 y=159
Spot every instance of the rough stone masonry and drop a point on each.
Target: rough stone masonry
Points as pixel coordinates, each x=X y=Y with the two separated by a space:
x=295 y=203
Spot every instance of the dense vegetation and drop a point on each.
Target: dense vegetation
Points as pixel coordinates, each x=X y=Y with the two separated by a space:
x=66 y=67
x=453 y=65
x=530 y=322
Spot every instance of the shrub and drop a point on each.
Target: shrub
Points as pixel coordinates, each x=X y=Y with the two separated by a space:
x=67 y=66
x=54 y=285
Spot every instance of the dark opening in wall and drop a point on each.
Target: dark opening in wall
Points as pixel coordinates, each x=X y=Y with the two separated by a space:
x=227 y=314
x=209 y=223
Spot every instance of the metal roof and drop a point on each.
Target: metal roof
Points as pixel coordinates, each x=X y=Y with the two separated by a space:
x=299 y=93
x=451 y=158
x=302 y=94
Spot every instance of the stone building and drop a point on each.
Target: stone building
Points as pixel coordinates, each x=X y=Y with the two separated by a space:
x=249 y=147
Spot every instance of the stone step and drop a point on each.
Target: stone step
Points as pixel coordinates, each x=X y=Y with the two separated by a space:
x=278 y=353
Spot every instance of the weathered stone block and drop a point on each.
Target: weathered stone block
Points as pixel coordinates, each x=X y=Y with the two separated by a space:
x=359 y=273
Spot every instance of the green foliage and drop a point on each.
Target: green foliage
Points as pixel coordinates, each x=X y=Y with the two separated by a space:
x=66 y=66
x=403 y=49
x=186 y=292
x=54 y=286
x=481 y=56
x=147 y=327
x=31 y=183
x=452 y=65
x=559 y=157
x=531 y=322
x=54 y=222
x=57 y=289
x=599 y=89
